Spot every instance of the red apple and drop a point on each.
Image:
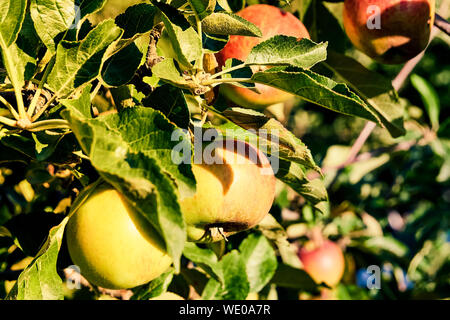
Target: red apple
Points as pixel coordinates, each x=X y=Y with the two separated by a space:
x=324 y=263
x=271 y=21
x=389 y=31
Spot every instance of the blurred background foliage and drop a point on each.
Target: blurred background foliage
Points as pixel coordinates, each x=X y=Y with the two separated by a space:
x=390 y=209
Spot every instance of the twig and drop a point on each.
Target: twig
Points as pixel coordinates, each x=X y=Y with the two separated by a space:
x=442 y=24
x=397 y=83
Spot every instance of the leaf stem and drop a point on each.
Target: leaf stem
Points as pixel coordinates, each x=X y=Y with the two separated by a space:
x=48 y=125
x=10 y=108
x=96 y=89
x=225 y=80
x=218 y=74
x=199 y=62
x=8 y=121
x=37 y=94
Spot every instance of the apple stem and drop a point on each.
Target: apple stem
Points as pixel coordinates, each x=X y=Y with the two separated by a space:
x=316 y=236
x=220 y=230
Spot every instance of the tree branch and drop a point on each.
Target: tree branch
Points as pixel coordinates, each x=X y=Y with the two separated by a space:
x=442 y=24
x=397 y=83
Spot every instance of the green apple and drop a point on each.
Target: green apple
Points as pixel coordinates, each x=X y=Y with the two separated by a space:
x=113 y=246
x=233 y=194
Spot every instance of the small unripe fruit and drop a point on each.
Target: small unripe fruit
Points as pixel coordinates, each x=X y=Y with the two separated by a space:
x=233 y=194
x=325 y=263
x=271 y=21
x=389 y=31
x=112 y=245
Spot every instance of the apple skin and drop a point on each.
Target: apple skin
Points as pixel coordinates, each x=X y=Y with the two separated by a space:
x=112 y=245
x=271 y=21
x=234 y=193
x=405 y=28
x=325 y=263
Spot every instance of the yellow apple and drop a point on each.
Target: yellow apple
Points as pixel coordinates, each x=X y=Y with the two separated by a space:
x=113 y=246
x=233 y=194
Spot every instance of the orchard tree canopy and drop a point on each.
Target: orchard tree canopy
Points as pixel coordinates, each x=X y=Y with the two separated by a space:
x=224 y=150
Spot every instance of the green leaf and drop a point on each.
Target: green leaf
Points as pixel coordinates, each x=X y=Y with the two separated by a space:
x=276 y=138
x=302 y=8
x=236 y=286
x=273 y=231
x=429 y=97
x=88 y=7
x=224 y=5
x=82 y=103
x=205 y=259
x=284 y=50
x=377 y=91
x=171 y=101
x=244 y=72
x=260 y=260
x=79 y=62
x=132 y=150
x=322 y=24
x=227 y=23
x=59 y=14
x=167 y=71
x=154 y=288
x=202 y=8
x=40 y=280
x=12 y=14
x=182 y=41
x=195 y=278
x=313 y=191
x=121 y=67
x=14 y=57
x=45 y=144
x=387 y=244
x=289 y=277
x=316 y=89
x=137 y=20
x=214 y=43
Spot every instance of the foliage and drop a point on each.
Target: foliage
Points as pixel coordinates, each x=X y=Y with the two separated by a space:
x=101 y=94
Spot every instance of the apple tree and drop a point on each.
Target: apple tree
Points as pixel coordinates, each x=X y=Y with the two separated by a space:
x=132 y=97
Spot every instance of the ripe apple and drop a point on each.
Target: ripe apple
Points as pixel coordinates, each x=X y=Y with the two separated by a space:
x=324 y=263
x=112 y=245
x=389 y=31
x=271 y=21
x=233 y=194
